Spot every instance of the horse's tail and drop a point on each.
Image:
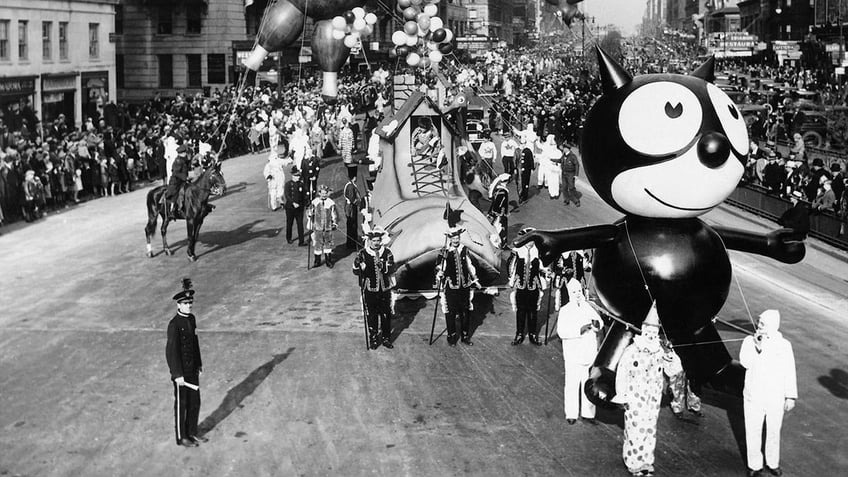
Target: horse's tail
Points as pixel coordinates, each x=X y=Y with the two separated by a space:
x=154 y=199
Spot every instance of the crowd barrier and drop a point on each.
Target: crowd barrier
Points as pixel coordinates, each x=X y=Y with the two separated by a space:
x=757 y=200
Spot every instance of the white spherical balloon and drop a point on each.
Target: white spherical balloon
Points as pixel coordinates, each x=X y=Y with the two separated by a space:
x=411 y=40
x=359 y=24
x=370 y=18
x=413 y=59
x=436 y=23
x=435 y=56
x=399 y=38
x=448 y=36
x=431 y=10
x=350 y=41
x=338 y=34
x=339 y=23
x=359 y=12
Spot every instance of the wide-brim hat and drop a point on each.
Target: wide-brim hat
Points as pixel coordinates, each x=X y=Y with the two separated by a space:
x=295 y=171
x=377 y=232
x=501 y=179
x=454 y=231
x=324 y=188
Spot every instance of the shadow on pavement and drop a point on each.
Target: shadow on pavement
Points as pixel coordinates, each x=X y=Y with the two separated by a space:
x=221 y=239
x=237 y=394
x=405 y=313
x=235 y=189
x=836 y=383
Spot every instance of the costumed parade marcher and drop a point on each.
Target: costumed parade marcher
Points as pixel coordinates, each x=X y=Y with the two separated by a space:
x=525 y=168
x=179 y=177
x=683 y=397
x=568 y=264
x=577 y=325
x=375 y=267
x=276 y=178
x=457 y=274
x=353 y=204
x=509 y=147
x=295 y=196
x=322 y=219
x=499 y=208
x=570 y=170
x=526 y=277
x=311 y=169
x=770 y=390
x=182 y=352
x=639 y=384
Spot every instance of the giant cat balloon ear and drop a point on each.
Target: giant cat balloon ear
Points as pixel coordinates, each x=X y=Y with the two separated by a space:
x=706 y=71
x=613 y=75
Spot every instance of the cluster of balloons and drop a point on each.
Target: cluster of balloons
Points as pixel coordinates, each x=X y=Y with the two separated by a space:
x=424 y=38
x=352 y=25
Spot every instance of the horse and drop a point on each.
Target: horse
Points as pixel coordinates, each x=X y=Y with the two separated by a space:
x=193 y=206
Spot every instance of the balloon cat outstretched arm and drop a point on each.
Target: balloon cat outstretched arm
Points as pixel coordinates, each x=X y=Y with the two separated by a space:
x=552 y=243
x=779 y=244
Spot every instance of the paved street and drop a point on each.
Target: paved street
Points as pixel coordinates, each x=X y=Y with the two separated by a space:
x=288 y=387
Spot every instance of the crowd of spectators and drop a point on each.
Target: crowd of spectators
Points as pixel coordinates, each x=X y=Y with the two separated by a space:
x=45 y=166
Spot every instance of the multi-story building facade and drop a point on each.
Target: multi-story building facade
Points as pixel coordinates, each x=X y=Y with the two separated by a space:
x=168 y=46
x=56 y=57
x=491 y=19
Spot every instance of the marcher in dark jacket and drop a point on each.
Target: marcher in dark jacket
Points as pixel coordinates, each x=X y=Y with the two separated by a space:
x=796 y=217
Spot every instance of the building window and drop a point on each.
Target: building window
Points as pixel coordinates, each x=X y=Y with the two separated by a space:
x=165 y=21
x=119 y=70
x=194 y=74
x=47 y=39
x=216 y=68
x=23 y=50
x=4 y=40
x=93 y=40
x=166 y=71
x=119 y=19
x=63 y=40
x=193 y=22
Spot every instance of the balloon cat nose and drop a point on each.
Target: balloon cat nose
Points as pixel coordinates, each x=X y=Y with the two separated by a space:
x=713 y=149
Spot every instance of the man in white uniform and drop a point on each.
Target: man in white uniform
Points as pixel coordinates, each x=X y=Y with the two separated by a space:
x=577 y=326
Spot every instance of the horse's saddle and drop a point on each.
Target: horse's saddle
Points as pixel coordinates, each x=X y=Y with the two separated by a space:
x=178 y=211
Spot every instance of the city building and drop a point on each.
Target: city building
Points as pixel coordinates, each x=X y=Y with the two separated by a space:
x=56 y=57
x=170 y=46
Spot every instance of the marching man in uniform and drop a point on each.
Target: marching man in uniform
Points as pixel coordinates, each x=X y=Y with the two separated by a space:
x=577 y=325
x=375 y=267
x=322 y=219
x=526 y=277
x=182 y=352
x=457 y=274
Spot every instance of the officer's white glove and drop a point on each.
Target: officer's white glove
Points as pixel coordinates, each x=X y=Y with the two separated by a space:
x=180 y=381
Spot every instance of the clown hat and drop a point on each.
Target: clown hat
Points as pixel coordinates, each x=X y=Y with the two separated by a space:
x=653 y=319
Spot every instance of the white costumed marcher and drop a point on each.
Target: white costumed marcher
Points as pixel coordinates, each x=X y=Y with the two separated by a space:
x=577 y=326
x=275 y=175
x=770 y=390
x=552 y=157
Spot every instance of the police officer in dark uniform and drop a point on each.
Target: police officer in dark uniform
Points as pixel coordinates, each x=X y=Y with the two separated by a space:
x=526 y=277
x=525 y=167
x=179 y=176
x=457 y=274
x=183 y=355
x=295 y=195
x=375 y=267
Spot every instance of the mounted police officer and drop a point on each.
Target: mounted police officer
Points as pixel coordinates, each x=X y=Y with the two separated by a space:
x=179 y=177
x=456 y=272
x=182 y=352
x=375 y=267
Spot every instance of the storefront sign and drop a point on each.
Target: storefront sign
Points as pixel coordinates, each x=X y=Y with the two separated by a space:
x=17 y=85
x=58 y=83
